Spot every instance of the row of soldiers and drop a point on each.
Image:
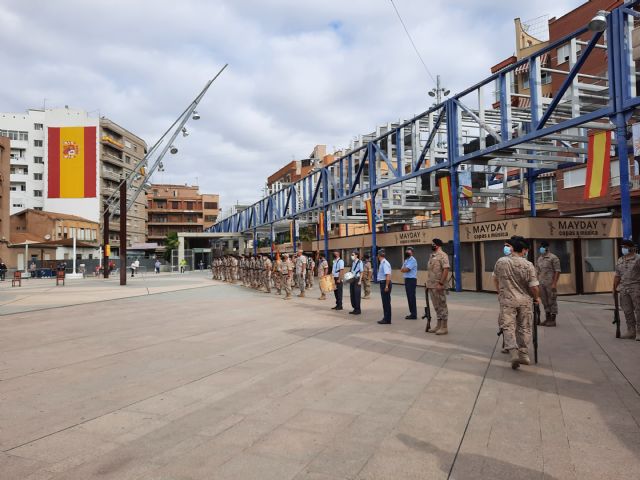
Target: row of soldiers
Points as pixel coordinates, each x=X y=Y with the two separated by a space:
x=261 y=273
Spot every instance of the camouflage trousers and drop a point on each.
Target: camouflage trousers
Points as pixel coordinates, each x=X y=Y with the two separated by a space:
x=277 y=282
x=301 y=282
x=630 y=305
x=366 y=286
x=439 y=300
x=516 y=326
x=549 y=300
x=287 y=286
x=309 y=280
x=267 y=281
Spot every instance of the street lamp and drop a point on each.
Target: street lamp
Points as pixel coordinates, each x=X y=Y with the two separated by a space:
x=438 y=92
x=196 y=115
x=599 y=22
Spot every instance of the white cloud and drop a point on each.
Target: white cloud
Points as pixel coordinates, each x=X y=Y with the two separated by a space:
x=300 y=74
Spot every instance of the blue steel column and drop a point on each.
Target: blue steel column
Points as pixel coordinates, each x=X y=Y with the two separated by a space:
x=294 y=237
x=535 y=119
x=325 y=201
x=271 y=238
x=623 y=162
x=372 y=184
x=453 y=152
x=255 y=241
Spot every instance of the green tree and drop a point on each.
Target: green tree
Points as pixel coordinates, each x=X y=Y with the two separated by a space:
x=170 y=244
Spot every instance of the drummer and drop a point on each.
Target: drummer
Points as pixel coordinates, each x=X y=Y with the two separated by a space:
x=355 y=288
x=323 y=271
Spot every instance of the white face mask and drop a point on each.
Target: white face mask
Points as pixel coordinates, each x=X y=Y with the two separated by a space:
x=353 y=258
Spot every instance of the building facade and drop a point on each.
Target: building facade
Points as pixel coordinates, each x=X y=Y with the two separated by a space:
x=117 y=152
x=5 y=229
x=179 y=208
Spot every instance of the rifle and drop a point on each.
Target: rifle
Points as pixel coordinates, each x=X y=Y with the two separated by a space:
x=616 y=314
x=427 y=311
x=536 y=322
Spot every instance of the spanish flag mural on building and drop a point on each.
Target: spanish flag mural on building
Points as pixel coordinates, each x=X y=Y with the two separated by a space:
x=72 y=162
x=598 y=165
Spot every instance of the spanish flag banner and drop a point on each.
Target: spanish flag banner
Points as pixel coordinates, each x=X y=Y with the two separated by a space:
x=446 y=210
x=598 y=165
x=369 y=210
x=321 y=224
x=72 y=162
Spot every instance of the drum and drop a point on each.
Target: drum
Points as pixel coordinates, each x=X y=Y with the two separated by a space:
x=348 y=277
x=327 y=283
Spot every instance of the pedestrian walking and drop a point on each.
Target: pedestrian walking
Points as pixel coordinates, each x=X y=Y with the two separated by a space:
x=384 y=279
x=627 y=282
x=516 y=282
x=3 y=270
x=355 y=287
x=183 y=265
x=367 y=274
x=323 y=270
x=437 y=275
x=134 y=267
x=338 y=272
x=32 y=269
x=157 y=266
x=410 y=273
x=548 y=271
x=301 y=271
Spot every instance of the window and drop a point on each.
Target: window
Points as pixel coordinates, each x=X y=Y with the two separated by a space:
x=598 y=255
x=37 y=208
x=564 y=52
x=545 y=78
x=545 y=189
x=37 y=126
x=575 y=178
x=189 y=205
x=23 y=135
x=23 y=188
x=210 y=205
x=175 y=205
x=127 y=143
x=13 y=188
x=615 y=173
x=18 y=205
x=37 y=176
x=14 y=135
x=37 y=193
x=38 y=160
x=64 y=232
x=175 y=193
x=210 y=218
x=37 y=143
x=127 y=159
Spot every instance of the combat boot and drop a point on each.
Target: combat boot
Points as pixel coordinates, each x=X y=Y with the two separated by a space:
x=523 y=358
x=515 y=358
x=288 y=297
x=443 y=328
x=301 y=294
x=436 y=328
x=550 y=322
x=322 y=297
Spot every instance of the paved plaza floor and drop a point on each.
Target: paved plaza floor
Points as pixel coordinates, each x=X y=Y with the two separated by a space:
x=179 y=377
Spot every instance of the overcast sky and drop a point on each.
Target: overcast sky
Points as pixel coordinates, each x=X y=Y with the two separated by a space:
x=300 y=72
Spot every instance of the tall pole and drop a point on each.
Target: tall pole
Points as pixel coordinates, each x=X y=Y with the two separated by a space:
x=105 y=242
x=372 y=185
x=123 y=233
x=623 y=162
x=452 y=153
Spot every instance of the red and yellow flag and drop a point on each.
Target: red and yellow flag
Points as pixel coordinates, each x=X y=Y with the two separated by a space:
x=369 y=210
x=72 y=162
x=321 y=224
x=446 y=210
x=598 y=165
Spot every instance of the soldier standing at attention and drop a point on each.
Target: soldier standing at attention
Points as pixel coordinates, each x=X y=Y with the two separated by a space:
x=410 y=273
x=311 y=268
x=323 y=270
x=286 y=272
x=516 y=282
x=627 y=282
x=548 y=271
x=301 y=270
x=367 y=273
x=437 y=274
x=268 y=265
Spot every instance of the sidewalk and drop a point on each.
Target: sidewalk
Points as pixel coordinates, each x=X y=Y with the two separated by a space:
x=228 y=383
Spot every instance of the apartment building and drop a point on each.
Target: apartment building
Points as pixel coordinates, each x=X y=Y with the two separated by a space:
x=114 y=152
x=5 y=150
x=179 y=208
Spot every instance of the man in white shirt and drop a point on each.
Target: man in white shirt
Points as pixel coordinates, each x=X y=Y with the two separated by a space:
x=355 y=287
x=384 y=279
x=337 y=271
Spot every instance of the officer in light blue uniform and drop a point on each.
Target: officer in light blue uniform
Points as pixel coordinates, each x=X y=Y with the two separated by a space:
x=384 y=279
x=410 y=273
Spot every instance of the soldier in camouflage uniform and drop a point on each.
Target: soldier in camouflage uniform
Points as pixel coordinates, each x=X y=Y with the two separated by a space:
x=287 y=273
x=311 y=268
x=627 y=283
x=234 y=269
x=323 y=270
x=277 y=276
x=548 y=272
x=301 y=272
x=268 y=265
x=516 y=282
x=367 y=274
x=437 y=274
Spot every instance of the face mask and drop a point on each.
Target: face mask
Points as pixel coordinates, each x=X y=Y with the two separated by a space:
x=625 y=251
x=506 y=250
x=353 y=258
x=335 y=256
x=434 y=247
x=543 y=250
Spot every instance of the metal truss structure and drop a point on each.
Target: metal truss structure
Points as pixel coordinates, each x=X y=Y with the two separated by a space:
x=472 y=131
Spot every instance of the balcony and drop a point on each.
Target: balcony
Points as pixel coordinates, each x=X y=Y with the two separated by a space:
x=19 y=160
x=110 y=175
x=19 y=177
x=107 y=139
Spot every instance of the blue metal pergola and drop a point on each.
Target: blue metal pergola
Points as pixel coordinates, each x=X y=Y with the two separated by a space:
x=538 y=136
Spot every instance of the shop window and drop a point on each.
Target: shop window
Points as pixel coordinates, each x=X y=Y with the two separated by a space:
x=466 y=258
x=598 y=255
x=492 y=252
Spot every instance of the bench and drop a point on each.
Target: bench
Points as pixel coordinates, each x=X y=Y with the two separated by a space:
x=60 y=277
x=17 y=278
